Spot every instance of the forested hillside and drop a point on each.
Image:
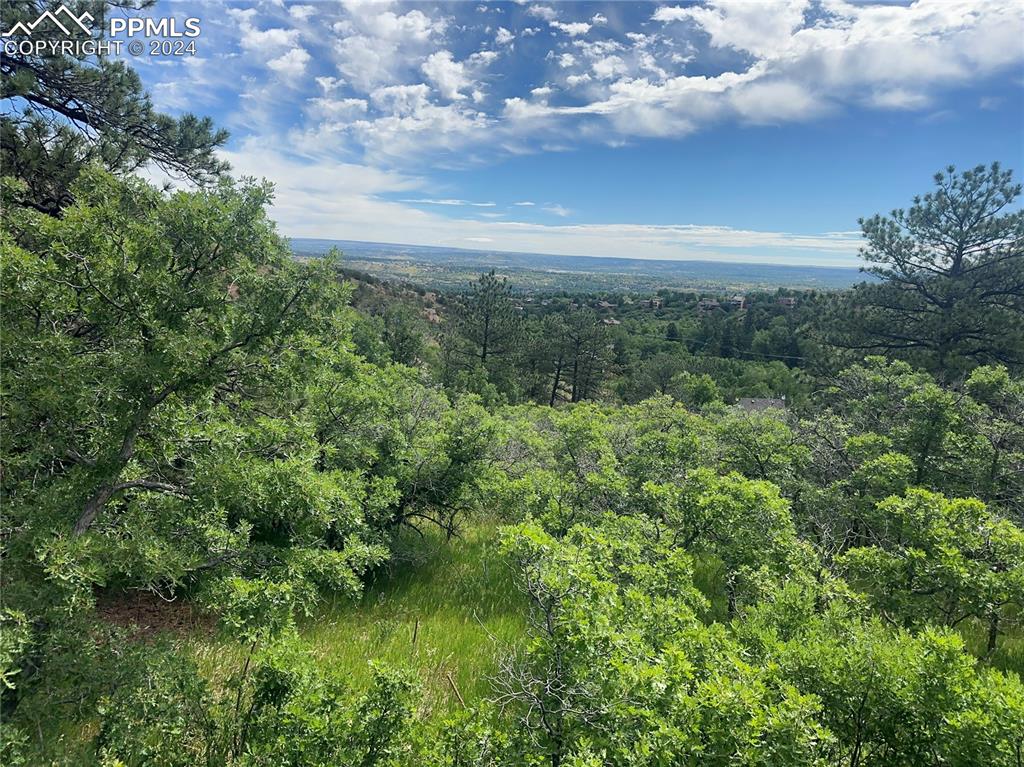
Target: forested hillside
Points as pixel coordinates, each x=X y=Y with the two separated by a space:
x=258 y=510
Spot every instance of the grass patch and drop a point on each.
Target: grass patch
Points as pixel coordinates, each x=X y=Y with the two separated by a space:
x=444 y=610
x=1009 y=652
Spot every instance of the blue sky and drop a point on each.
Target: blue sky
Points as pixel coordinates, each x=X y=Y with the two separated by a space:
x=728 y=129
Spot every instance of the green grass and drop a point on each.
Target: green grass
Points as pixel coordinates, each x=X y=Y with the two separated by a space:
x=1009 y=652
x=446 y=611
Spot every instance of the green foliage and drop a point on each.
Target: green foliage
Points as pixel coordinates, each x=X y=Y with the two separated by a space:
x=619 y=667
x=901 y=699
x=486 y=340
x=277 y=709
x=188 y=411
x=65 y=114
x=952 y=267
x=15 y=635
x=941 y=560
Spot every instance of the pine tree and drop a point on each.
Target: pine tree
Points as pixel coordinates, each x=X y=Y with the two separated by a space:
x=952 y=276
x=63 y=113
x=488 y=319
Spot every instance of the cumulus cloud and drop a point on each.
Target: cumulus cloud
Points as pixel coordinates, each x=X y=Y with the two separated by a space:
x=774 y=61
x=301 y=12
x=328 y=84
x=799 y=61
x=346 y=109
x=448 y=75
x=267 y=41
x=545 y=12
x=378 y=48
x=366 y=62
x=291 y=64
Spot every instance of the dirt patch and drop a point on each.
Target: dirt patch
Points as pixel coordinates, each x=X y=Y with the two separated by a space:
x=146 y=615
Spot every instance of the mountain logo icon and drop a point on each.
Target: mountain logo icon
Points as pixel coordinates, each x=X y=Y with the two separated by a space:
x=69 y=23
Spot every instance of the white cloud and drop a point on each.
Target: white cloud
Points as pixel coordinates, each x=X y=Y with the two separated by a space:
x=329 y=84
x=266 y=42
x=401 y=99
x=557 y=210
x=503 y=37
x=760 y=28
x=769 y=102
x=671 y=13
x=301 y=12
x=573 y=29
x=525 y=204
x=452 y=202
x=448 y=76
x=882 y=56
x=609 y=66
x=377 y=48
x=366 y=62
x=412 y=26
x=545 y=12
x=338 y=109
x=899 y=98
x=483 y=58
x=291 y=64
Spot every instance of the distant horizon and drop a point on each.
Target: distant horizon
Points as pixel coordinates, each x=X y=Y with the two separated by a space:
x=730 y=262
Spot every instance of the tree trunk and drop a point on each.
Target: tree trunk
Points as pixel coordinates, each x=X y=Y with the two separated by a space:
x=993 y=633
x=558 y=380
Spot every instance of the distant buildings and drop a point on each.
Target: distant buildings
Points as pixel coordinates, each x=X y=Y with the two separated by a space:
x=611 y=321
x=738 y=302
x=605 y=305
x=788 y=301
x=708 y=305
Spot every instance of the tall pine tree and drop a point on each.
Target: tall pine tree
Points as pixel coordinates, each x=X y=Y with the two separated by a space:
x=951 y=294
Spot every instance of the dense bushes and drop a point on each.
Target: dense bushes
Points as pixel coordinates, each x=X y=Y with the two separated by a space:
x=185 y=412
